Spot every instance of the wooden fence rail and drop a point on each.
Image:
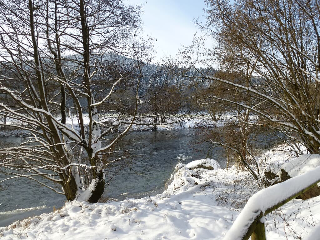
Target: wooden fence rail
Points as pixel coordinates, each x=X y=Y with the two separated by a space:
x=249 y=223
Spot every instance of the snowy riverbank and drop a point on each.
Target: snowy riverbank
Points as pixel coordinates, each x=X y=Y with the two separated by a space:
x=201 y=202
x=141 y=123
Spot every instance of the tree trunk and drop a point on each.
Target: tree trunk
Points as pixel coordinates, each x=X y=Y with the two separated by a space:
x=99 y=189
x=155 y=122
x=70 y=188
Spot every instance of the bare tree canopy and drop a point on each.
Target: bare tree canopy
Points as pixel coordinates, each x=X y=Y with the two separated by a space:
x=52 y=56
x=278 y=43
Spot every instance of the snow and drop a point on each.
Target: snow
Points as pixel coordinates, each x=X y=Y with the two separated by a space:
x=184 y=211
x=201 y=202
x=203 y=162
x=302 y=164
x=142 y=123
x=315 y=234
x=86 y=194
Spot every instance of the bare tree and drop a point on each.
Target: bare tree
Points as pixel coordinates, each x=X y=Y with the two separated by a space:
x=163 y=97
x=279 y=42
x=52 y=56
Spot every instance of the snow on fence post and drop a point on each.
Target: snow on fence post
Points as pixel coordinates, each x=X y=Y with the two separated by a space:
x=250 y=221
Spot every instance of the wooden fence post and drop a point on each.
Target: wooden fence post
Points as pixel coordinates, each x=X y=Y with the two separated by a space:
x=259 y=232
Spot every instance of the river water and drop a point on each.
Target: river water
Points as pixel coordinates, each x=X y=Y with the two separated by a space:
x=148 y=160
x=151 y=159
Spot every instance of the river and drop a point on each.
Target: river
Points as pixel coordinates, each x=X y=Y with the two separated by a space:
x=147 y=161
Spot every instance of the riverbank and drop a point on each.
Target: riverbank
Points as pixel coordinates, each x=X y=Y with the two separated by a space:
x=201 y=202
x=141 y=122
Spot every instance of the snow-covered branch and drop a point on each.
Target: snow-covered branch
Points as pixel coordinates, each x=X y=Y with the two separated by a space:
x=108 y=95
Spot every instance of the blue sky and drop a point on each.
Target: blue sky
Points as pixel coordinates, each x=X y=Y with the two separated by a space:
x=170 y=22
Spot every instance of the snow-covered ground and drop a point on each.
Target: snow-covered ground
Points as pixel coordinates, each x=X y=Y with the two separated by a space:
x=141 y=123
x=201 y=202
